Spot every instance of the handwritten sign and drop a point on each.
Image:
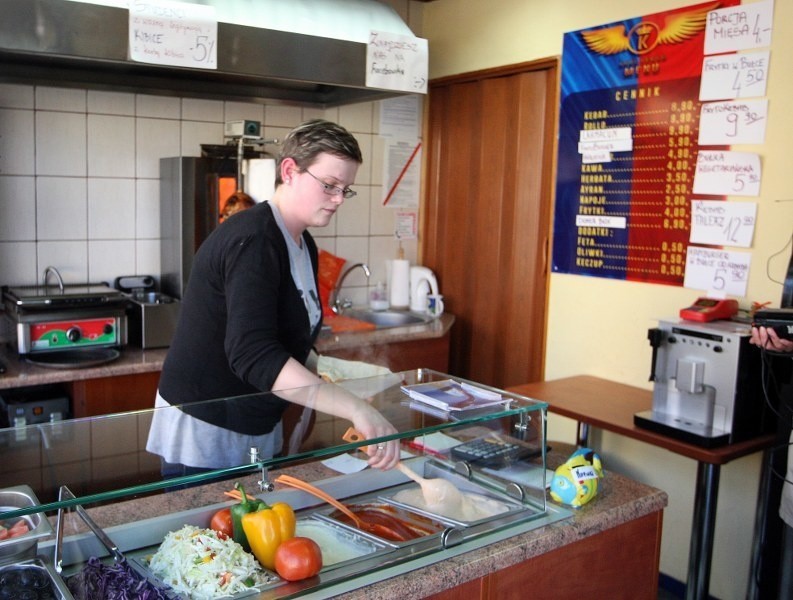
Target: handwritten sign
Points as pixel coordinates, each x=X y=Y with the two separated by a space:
x=723 y=172
x=734 y=76
x=720 y=223
x=733 y=122
x=739 y=27
x=173 y=33
x=720 y=272
x=397 y=62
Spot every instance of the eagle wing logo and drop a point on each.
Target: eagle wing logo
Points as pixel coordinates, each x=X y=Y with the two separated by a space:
x=645 y=36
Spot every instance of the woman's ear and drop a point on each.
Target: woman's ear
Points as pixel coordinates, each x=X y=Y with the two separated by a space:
x=289 y=169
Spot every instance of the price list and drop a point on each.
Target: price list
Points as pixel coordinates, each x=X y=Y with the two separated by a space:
x=628 y=149
x=626 y=196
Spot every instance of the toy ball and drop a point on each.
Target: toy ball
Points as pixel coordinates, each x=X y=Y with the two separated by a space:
x=575 y=482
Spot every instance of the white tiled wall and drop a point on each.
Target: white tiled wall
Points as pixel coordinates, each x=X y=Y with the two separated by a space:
x=79 y=180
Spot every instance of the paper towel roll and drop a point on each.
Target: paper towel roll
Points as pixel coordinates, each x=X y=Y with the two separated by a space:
x=400 y=283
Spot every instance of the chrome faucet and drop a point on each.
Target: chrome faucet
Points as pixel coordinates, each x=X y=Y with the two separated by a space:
x=337 y=305
x=53 y=271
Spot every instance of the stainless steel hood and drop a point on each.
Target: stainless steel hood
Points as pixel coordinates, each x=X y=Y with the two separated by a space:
x=79 y=44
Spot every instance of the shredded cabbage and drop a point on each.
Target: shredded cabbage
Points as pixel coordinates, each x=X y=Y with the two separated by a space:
x=119 y=581
x=198 y=563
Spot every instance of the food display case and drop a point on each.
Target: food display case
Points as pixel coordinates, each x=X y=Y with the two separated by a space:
x=74 y=479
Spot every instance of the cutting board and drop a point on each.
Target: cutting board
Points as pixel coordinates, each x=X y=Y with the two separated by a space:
x=342 y=324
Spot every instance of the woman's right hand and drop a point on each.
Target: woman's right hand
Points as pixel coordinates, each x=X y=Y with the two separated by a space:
x=767 y=338
x=371 y=424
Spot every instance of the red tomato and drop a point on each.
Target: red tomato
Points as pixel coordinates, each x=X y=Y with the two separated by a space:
x=222 y=523
x=298 y=558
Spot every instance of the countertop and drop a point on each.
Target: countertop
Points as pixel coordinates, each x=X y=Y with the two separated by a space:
x=619 y=500
x=20 y=373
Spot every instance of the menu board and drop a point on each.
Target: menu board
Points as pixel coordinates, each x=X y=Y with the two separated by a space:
x=628 y=146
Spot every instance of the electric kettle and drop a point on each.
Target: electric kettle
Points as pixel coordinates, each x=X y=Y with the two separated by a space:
x=422 y=283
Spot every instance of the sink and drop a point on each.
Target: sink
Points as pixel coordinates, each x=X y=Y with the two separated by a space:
x=387 y=318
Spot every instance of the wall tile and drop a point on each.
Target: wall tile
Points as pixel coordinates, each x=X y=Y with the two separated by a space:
x=17 y=208
x=356 y=118
x=18 y=263
x=16 y=96
x=158 y=107
x=111 y=209
x=310 y=112
x=195 y=133
x=111 y=103
x=278 y=115
x=354 y=249
x=381 y=250
x=147 y=208
x=61 y=99
x=198 y=109
x=61 y=208
x=147 y=258
x=353 y=216
x=69 y=257
x=111 y=146
x=154 y=139
x=382 y=220
x=365 y=171
x=60 y=144
x=17 y=142
x=108 y=259
x=377 y=160
x=92 y=158
x=236 y=111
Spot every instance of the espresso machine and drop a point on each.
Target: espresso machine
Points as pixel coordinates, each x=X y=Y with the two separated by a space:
x=707 y=383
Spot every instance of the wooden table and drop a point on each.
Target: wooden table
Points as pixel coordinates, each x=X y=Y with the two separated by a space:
x=608 y=405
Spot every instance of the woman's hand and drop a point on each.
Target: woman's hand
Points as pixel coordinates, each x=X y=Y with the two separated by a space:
x=767 y=338
x=371 y=424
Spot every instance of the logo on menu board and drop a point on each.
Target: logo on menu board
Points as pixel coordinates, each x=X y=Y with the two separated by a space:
x=647 y=35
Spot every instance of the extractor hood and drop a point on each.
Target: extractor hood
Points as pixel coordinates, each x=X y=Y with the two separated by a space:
x=83 y=44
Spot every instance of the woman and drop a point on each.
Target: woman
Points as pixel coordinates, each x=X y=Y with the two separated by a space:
x=250 y=315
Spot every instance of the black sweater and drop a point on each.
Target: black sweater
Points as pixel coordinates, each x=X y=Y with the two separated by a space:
x=241 y=319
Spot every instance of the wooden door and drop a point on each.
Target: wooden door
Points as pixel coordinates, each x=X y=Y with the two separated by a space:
x=487 y=215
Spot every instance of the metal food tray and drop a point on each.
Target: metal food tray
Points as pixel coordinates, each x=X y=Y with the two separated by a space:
x=375 y=549
x=374 y=546
x=448 y=531
x=481 y=485
x=42 y=566
x=23 y=546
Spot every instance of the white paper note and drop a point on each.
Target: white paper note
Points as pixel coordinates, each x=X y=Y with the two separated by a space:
x=739 y=27
x=734 y=76
x=720 y=223
x=725 y=173
x=733 y=122
x=397 y=62
x=719 y=271
x=173 y=33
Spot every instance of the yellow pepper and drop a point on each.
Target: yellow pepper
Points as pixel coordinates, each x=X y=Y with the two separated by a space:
x=266 y=529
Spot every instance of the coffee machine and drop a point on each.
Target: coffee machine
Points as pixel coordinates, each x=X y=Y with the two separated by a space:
x=707 y=386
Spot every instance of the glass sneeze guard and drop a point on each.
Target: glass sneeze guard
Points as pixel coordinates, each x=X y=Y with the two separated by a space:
x=104 y=459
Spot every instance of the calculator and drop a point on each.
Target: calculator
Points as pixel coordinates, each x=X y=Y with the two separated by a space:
x=491 y=452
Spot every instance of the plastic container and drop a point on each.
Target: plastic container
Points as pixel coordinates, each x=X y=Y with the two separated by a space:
x=378 y=297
